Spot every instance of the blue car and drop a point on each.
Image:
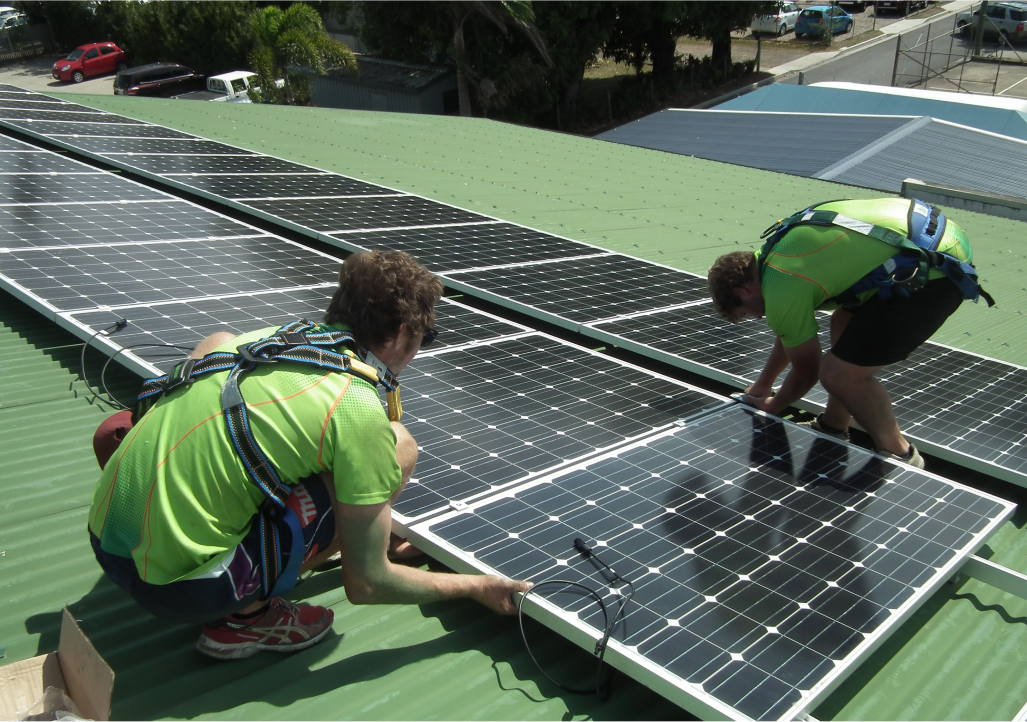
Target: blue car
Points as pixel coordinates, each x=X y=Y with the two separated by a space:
x=812 y=20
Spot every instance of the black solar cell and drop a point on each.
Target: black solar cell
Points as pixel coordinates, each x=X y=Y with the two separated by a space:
x=45 y=188
x=79 y=131
x=188 y=164
x=282 y=186
x=347 y=214
x=143 y=146
x=38 y=161
x=12 y=113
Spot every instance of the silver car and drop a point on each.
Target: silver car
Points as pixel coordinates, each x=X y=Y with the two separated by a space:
x=1008 y=19
x=779 y=23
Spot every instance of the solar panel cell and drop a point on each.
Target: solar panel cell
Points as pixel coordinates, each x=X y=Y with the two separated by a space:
x=143 y=146
x=44 y=188
x=80 y=131
x=11 y=113
x=188 y=164
x=31 y=103
x=288 y=186
x=37 y=161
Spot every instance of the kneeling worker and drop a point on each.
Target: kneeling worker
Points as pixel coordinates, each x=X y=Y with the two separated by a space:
x=892 y=270
x=211 y=506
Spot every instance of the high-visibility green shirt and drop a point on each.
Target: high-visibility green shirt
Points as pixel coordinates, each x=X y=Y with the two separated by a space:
x=814 y=263
x=175 y=496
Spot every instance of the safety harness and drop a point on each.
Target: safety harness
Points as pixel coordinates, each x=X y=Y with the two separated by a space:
x=299 y=342
x=903 y=274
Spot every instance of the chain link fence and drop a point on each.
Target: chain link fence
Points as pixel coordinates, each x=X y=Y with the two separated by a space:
x=947 y=55
x=24 y=41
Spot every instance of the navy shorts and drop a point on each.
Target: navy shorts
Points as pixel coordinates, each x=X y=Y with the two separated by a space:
x=235 y=583
x=884 y=332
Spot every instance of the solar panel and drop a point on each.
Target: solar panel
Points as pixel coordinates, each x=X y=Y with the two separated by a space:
x=12 y=144
x=477 y=246
x=23 y=96
x=364 y=213
x=496 y=414
x=583 y=290
x=66 y=116
x=187 y=323
x=33 y=104
x=143 y=146
x=79 y=131
x=281 y=186
x=188 y=164
x=96 y=224
x=14 y=89
x=768 y=560
x=73 y=279
x=37 y=161
x=79 y=188
x=961 y=406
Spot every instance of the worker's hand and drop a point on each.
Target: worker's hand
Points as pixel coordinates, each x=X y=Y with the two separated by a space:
x=496 y=593
x=759 y=392
x=755 y=401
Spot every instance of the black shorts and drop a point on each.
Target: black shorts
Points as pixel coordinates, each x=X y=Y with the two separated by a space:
x=236 y=583
x=884 y=332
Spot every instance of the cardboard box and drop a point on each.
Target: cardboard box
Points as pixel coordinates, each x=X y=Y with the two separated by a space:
x=76 y=667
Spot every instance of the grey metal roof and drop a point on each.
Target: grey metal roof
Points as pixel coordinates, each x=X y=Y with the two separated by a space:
x=945 y=153
x=870 y=151
x=796 y=143
x=394 y=74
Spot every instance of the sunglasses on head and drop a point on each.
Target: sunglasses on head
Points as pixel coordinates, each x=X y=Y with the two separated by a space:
x=429 y=335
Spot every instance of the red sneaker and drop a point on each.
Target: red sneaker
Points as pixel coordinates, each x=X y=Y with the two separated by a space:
x=283 y=627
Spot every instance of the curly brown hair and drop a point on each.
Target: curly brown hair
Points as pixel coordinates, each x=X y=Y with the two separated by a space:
x=379 y=290
x=730 y=271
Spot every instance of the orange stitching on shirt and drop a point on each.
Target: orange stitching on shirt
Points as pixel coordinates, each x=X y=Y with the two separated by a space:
x=324 y=429
x=789 y=273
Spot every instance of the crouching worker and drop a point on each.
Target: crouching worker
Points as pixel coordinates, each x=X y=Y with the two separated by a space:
x=892 y=270
x=242 y=475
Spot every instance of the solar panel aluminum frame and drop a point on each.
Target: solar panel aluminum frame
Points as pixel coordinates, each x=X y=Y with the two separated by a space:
x=805 y=404
x=679 y=691
x=402 y=523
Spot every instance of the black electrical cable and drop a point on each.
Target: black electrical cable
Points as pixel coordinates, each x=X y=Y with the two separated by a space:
x=103 y=371
x=112 y=329
x=602 y=687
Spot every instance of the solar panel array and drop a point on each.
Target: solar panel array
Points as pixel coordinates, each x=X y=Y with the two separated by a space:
x=505 y=415
x=767 y=560
x=565 y=282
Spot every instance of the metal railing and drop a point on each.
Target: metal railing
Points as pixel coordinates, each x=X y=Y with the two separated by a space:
x=24 y=41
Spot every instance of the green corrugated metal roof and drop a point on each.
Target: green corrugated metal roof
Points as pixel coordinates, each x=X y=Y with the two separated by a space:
x=959 y=658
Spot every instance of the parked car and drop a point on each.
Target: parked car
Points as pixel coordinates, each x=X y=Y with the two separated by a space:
x=12 y=21
x=780 y=22
x=812 y=20
x=86 y=61
x=160 y=79
x=857 y=5
x=228 y=87
x=1001 y=18
x=902 y=6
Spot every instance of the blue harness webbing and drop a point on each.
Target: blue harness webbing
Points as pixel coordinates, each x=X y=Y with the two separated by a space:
x=908 y=270
x=298 y=342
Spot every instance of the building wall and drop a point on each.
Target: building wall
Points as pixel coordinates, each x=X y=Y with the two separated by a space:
x=331 y=92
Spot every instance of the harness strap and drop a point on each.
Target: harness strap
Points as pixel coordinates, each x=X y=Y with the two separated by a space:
x=298 y=342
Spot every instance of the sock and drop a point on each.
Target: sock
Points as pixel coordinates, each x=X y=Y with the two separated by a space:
x=251 y=615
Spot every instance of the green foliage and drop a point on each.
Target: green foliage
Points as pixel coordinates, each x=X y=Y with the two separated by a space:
x=288 y=39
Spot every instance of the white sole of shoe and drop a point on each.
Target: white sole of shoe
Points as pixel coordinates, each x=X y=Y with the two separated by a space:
x=248 y=649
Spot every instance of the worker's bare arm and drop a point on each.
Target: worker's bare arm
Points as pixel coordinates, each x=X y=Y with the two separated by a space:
x=805 y=367
x=776 y=363
x=370 y=578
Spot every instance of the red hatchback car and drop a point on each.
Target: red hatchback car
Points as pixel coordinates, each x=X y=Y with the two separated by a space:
x=86 y=61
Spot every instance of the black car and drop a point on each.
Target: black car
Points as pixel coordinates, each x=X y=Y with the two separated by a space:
x=160 y=79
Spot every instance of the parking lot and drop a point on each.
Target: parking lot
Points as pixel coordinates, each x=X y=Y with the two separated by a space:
x=34 y=74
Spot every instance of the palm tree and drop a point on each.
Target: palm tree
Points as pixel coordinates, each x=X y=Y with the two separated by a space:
x=505 y=14
x=293 y=37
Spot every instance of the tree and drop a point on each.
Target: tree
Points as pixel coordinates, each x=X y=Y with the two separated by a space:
x=291 y=38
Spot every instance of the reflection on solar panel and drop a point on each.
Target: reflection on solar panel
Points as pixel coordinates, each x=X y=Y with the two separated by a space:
x=364 y=213
x=171 y=165
x=84 y=130
x=85 y=224
x=157 y=145
x=72 y=279
x=97 y=186
x=768 y=560
x=964 y=407
x=478 y=246
x=282 y=186
x=495 y=414
x=584 y=290
x=93 y=116
x=36 y=161
x=187 y=323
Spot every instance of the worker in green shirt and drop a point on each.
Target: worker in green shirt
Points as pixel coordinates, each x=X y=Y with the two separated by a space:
x=891 y=270
x=178 y=521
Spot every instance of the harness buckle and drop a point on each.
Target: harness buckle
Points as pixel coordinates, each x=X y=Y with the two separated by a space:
x=291 y=340
x=181 y=375
x=904 y=276
x=244 y=351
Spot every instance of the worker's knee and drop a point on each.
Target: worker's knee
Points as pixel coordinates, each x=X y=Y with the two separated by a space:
x=406 y=449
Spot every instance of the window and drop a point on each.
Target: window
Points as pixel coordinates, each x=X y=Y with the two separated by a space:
x=1018 y=15
x=997 y=12
x=75 y=55
x=107 y=51
x=92 y=54
x=812 y=14
x=218 y=85
x=239 y=85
